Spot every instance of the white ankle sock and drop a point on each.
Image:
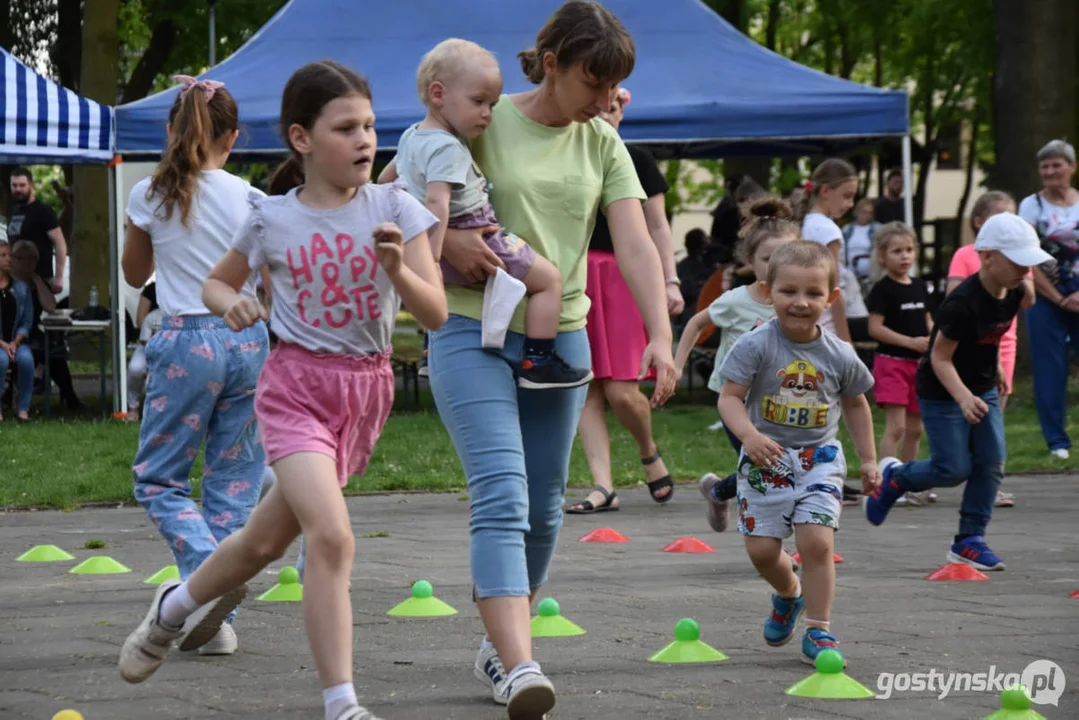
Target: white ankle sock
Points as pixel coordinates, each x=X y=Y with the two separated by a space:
x=338 y=699
x=176 y=606
x=486 y=644
x=797 y=592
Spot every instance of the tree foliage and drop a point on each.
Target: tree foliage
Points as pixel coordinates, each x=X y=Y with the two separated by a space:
x=160 y=38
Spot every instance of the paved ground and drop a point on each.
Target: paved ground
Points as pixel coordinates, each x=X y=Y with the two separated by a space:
x=60 y=634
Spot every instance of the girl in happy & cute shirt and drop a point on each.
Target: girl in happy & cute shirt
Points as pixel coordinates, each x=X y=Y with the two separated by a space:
x=342 y=253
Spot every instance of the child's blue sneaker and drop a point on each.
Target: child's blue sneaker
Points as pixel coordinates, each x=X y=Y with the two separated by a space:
x=974 y=552
x=779 y=628
x=817 y=639
x=880 y=501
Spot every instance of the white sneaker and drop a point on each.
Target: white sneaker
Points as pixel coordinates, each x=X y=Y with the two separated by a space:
x=500 y=299
x=356 y=713
x=1060 y=453
x=146 y=648
x=531 y=694
x=205 y=623
x=223 y=643
x=490 y=671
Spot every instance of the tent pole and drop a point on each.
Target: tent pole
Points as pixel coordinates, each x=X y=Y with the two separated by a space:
x=119 y=328
x=908 y=176
x=114 y=287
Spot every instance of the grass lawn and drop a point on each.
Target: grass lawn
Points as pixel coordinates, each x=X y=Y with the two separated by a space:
x=68 y=462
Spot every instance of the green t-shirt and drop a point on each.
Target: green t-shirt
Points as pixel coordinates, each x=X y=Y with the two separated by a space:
x=546 y=185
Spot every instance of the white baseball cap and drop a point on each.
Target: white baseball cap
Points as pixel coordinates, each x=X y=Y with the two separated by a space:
x=1013 y=237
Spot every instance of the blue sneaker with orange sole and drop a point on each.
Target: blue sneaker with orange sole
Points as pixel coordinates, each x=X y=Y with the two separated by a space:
x=779 y=628
x=817 y=639
x=880 y=501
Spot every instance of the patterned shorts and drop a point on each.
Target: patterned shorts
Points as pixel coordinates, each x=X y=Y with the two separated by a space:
x=806 y=488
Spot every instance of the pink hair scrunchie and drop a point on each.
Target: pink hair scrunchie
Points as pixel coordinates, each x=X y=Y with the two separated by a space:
x=207 y=86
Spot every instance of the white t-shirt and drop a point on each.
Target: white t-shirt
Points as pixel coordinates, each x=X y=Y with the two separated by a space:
x=852 y=294
x=1058 y=228
x=859 y=244
x=329 y=293
x=185 y=255
x=820 y=228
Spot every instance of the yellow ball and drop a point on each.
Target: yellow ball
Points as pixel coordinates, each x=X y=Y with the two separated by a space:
x=68 y=715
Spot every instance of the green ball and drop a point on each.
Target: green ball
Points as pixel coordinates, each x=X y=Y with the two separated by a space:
x=422 y=589
x=548 y=607
x=1015 y=698
x=829 y=661
x=288 y=576
x=687 y=630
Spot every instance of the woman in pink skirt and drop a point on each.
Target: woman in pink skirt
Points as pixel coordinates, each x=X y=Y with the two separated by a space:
x=617 y=336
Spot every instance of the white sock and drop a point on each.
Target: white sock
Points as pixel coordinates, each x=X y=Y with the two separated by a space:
x=338 y=699
x=176 y=606
x=822 y=624
x=486 y=644
x=797 y=592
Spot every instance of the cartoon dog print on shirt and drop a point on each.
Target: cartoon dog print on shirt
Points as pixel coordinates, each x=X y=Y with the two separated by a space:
x=797 y=402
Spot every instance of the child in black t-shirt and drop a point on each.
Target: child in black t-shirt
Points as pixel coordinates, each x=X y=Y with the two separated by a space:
x=899 y=320
x=957 y=385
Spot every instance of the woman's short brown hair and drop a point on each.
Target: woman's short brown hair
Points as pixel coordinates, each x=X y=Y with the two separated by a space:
x=582 y=31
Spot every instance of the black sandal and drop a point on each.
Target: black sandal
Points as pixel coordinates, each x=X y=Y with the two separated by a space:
x=656 y=486
x=586 y=507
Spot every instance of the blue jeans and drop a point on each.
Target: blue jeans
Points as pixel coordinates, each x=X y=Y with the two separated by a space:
x=1050 y=327
x=24 y=375
x=201 y=388
x=514 y=446
x=958 y=452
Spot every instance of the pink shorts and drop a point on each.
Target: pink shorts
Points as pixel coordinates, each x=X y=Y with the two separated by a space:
x=324 y=403
x=893 y=381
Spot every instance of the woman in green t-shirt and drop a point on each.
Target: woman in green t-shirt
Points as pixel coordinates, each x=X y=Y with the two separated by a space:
x=552 y=163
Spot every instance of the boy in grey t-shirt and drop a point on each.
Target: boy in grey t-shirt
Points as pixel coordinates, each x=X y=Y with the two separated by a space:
x=787 y=383
x=460 y=82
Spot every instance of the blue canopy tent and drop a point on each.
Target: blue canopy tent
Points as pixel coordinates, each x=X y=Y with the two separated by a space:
x=700 y=87
x=44 y=123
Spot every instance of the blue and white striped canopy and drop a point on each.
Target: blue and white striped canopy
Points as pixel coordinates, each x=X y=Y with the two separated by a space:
x=44 y=123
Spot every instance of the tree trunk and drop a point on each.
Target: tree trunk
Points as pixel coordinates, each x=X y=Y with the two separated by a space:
x=1034 y=87
x=66 y=54
x=151 y=63
x=89 y=245
x=772 y=26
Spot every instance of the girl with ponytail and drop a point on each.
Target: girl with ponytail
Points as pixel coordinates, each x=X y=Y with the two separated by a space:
x=829 y=196
x=202 y=375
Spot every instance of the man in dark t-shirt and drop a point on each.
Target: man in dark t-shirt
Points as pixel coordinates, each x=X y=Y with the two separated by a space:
x=957 y=385
x=35 y=221
x=889 y=206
